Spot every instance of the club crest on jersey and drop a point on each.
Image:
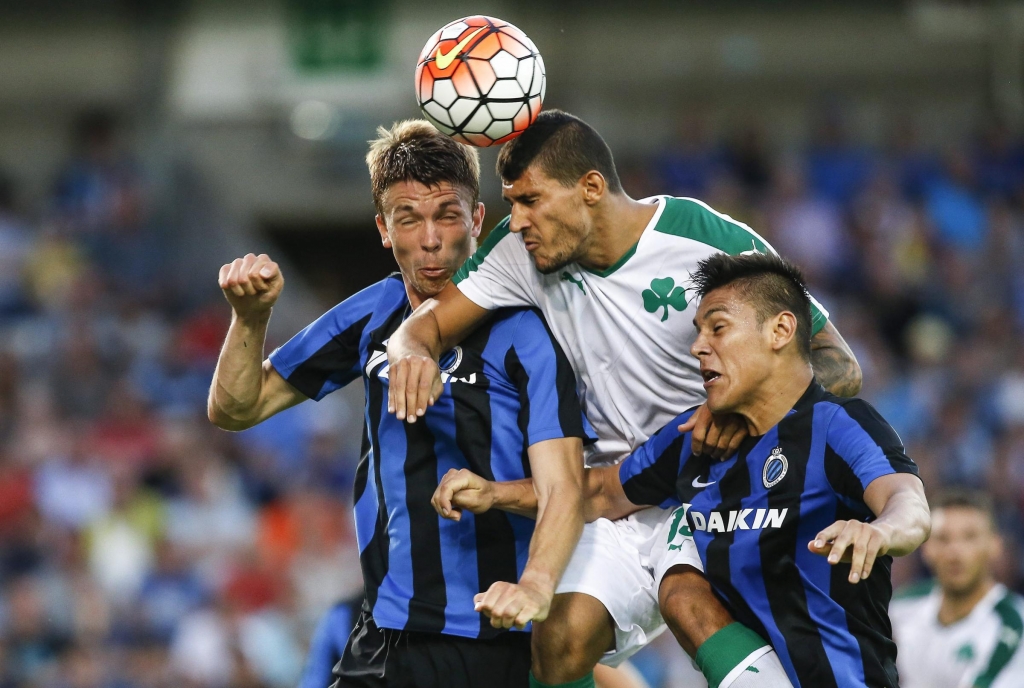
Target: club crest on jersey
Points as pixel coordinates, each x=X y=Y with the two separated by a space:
x=450 y=361
x=775 y=468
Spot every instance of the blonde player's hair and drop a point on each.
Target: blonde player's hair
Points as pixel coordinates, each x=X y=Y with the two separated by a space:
x=413 y=150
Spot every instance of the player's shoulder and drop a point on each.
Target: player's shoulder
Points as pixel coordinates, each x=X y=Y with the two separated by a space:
x=1010 y=606
x=693 y=219
x=499 y=235
x=387 y=295
x=914 y=592
x=671 y=429
x=856 y=415
x=909 y=602
x=519 y=324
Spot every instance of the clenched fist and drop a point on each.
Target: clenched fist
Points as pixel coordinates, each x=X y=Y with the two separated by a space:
x=251 y=284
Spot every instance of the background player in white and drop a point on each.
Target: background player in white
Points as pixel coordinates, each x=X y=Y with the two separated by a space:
x=609 y=274
x=962 y=630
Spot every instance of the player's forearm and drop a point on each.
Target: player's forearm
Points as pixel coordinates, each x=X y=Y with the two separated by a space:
x=907 y=520
x=559 y=525
x=603 y=495
x=419 y=335
x=516 y=497
x=835 y=366
x=238 y=379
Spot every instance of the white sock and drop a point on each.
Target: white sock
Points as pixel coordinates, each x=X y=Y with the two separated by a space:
x=764 y=672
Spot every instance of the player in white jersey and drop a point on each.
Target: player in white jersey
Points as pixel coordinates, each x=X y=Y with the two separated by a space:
x=963 y=630
x=610 y=274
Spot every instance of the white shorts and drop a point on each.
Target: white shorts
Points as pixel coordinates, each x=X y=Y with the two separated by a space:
x=621 y=563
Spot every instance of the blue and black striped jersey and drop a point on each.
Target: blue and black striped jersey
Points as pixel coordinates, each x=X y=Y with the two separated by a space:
x=506 y=387
x=753 y=515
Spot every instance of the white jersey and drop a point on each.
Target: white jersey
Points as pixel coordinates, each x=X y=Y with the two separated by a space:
x=627 y=330
x=982 y=650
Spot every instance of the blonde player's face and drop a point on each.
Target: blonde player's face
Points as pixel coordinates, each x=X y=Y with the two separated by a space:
x=431 y=230
x=551 y=217
x=735 y=351
x=962 y=548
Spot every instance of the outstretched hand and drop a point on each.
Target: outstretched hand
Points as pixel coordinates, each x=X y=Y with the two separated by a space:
x=717 y=436
x=855 y=542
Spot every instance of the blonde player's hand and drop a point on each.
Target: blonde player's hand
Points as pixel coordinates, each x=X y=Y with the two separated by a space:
x=717 y=436
x=414 y=384
x=462 y=489
x=251 y=284
x=511 y=604
x=855 y=542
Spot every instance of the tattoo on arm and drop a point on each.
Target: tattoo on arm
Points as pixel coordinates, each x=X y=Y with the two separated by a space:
x=834 y=364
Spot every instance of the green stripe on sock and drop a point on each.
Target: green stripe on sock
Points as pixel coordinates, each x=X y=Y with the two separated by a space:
x=723 y=651
x=585 y=682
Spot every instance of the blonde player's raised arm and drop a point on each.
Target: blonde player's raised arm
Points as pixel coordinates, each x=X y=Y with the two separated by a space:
x=246 y=389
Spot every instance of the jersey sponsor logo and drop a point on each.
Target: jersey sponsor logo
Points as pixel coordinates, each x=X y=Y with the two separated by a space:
x=566 y=277
x=775 y=468
x=699 y=485
x=742 y=519
x=664 y=294
x=965 y=653
x=448 y=364
x=444 y=60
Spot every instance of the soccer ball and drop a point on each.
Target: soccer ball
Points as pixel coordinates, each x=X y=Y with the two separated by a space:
x=480 y=80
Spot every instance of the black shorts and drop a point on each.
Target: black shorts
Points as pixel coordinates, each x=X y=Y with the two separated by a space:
x=386 y=658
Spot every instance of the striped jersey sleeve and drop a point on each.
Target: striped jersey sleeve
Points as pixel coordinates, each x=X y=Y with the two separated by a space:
x=549 y=407
x=649 y=474
x=325 y=355
x=500 y=273
x=864 y=442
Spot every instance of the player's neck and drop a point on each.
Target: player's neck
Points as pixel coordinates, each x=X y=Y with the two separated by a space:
x=415 y=298
x=774 y=399
x=616 y=231
x=955 y=607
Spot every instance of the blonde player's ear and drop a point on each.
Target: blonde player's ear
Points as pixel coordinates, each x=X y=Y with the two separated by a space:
x=594 y=187
x=478 y=219
x=382 y=227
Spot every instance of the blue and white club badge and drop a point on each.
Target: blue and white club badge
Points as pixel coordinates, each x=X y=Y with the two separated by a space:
x=775 y=468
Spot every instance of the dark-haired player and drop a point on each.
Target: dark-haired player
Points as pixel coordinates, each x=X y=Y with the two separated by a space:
x=610 y=274
x=962 y=630
x=510 y=409
x=797 y=531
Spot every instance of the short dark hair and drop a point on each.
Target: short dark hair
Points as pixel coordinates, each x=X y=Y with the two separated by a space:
x=772 y=284
x=964 y=498
x=414 y=150
x=564 y=146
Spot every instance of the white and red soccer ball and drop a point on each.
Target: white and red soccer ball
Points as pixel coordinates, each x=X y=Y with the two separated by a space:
x=480 y=80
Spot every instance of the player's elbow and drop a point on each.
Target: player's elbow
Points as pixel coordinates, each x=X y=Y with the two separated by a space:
x=564 y=498
x=224 y=420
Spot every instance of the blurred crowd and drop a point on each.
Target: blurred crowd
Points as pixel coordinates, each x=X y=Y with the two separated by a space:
x=140 y=547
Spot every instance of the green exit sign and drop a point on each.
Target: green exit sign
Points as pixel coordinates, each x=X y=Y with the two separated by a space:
x=337 y=35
